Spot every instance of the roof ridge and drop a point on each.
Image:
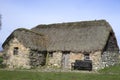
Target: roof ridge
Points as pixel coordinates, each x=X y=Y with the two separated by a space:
x=28 y=30
x=91 y=22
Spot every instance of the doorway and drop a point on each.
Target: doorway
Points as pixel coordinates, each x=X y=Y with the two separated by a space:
x=65 y=59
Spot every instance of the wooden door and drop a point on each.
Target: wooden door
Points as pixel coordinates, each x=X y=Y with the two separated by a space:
x=65 y=60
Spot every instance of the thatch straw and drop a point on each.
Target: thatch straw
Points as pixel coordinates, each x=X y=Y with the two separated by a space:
x=28 y=38
x=76 y=36
x=73 y=36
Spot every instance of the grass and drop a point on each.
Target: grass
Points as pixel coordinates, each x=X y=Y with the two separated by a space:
x=104 y=74
x=111 y=70
x=25 y=75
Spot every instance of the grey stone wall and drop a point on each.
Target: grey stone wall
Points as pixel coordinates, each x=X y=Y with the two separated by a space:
x=37 y=58
x=110 y=58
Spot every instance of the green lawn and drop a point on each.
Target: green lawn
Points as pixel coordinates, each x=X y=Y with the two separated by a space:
x=22 y=75
x=111 y=70
x=112 y=73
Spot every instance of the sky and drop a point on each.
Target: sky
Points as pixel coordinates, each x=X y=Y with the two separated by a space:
x=30 y=13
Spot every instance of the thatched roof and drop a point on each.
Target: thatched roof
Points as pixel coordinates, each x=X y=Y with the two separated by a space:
x=72 y=36
x=76 y=36
x=28 y=38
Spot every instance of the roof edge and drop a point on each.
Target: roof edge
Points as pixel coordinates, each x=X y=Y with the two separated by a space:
x=13 y=34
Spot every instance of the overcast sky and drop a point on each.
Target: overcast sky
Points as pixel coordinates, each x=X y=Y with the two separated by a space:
x=29 y=13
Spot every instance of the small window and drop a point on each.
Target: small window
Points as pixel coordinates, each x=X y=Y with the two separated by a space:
x=15 y=51
x=50 y=54
x=86 y=57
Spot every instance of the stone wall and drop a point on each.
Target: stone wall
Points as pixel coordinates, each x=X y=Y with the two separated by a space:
x=101 y=60
x=55 y=60
x=96 y=60
x=94 y=56
x=110 y=58
x=1 y=53
x=21 y=60
x=111 y=43
x=37 y=58
x=75 y=56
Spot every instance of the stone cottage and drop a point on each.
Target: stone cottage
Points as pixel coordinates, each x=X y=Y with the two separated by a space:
x=60 y=45
x=19 y=47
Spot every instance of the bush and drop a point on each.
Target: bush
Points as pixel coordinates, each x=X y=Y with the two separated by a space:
x=1 y=60
x=1 y=63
